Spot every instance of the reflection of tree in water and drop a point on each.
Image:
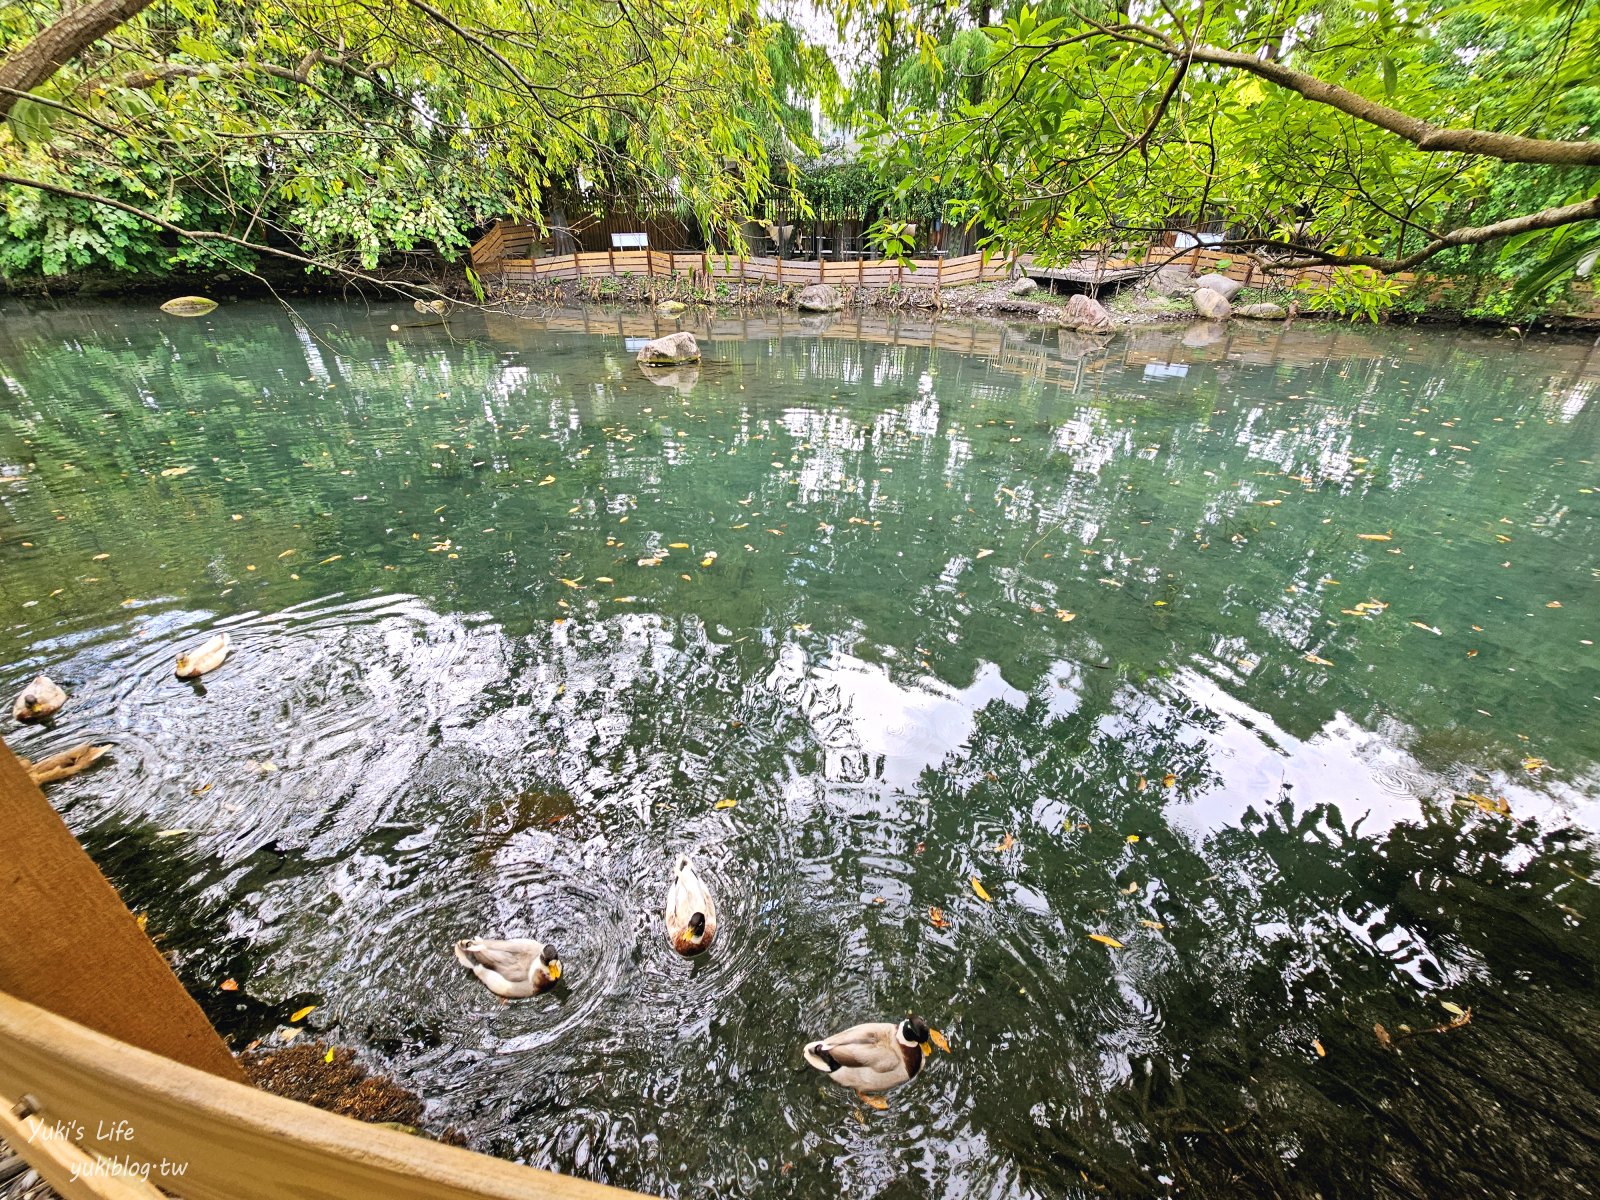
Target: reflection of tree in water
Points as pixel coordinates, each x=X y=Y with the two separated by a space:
x=1286 y=931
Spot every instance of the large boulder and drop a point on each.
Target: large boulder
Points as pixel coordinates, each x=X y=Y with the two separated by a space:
x=669 y=351
x=671 y=308
x=1221 y=284
x=1265 y=311
x=1213 y=306
x=1023 y=286
x=1084 y=313
x=819 y=297
x=1170 y=280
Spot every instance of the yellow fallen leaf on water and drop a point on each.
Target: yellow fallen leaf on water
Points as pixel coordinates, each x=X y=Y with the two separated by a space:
x=1143 y=783
x=1375 y=537
x=708 y=560
x=726 y=803
x=985 y=553
x=604 y=579
x=171 y=471
x=1554 y=604
x=1105 y=939
x=1169 y=780
x=329 y=559
x=1131 y=888
x=938 y=1039
x=328 y=1057
x=937 y=918
x=141 y=921
x=977 y=886
x=875 y=1102
x=1006 y=842
x=303 y=1013
x=1148 y=924
x=1064 y=615
x=1497 y=806
x=573 y=583
x=287 y=552
x=1317 y=1046
x=1269 y=503
x=547 y=480
x=100 y=557
x=229 y=985
x=678 y=545
x=1431 y=629
x=1453 y=1009
x=1133 y=837
x=1534 y=764
x=1320 y=661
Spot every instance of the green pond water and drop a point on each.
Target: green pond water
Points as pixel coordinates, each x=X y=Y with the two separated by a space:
x=1199 y=640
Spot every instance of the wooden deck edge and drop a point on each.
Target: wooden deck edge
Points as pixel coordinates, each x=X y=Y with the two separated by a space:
x=205 y=1138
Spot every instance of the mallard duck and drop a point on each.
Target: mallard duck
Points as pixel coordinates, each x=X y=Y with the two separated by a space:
x=206 y=657
x=511 y=969
x=40 y=699
x=691 y=914
x=873 y=1057
x=64 y=765
x=437 y=307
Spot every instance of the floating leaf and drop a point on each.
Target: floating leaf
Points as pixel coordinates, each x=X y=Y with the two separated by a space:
x=1317 y=1046
x=328 y=1057
x=329 y=559
x=188 y=306
x=938 y=1039
x=1169 y=780
x=1534 y=764
x=1105 y=939
x=170 y=833
x=1131 y=888
x=977 y=886
x=1005 y=843
x=1383 y=1037
x=1148 y=924
x=1429 y=628
x=1554 y=604
x=1133 y=837
x=726 y=803
x=1375 y=537
x=229 y=985
x=875 y=1102
x=1320 y=661
x=302 y=1014
x=985 y=553
x=937 y=917
x=547 y=481
x=287 y=552
x=172 y=471
x=573 y=583
x=678 y=545
x=1453 y=1009
x=100 y=558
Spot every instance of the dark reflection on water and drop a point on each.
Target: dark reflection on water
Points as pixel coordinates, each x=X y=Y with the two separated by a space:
x=929 y=602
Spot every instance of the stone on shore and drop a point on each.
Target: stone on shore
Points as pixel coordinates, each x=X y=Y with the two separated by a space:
x=1265 y=311
x=1084 y=313
x=1022 y=286
x=1213 y=306
x=819 y=297
x=1221 y=284
x=669 y=351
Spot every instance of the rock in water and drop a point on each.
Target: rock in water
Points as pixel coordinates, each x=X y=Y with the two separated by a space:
x=819 y=297
x=436 y=308
x=1213 y=306
x=1265 y=311
x=670 y=308
x=1084 y=313
x=188 y=306
x=669 y=351
x=1221 y=284
x=1023 y=286
x=40 y=699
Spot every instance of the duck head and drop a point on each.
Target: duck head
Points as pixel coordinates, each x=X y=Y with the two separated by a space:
x=914 y=1031
x=551 y=961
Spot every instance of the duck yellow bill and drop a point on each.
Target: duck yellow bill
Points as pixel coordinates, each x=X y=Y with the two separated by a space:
x=927 y=1047
x=555 y=970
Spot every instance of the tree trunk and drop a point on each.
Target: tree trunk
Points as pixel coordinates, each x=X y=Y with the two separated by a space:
x=33 y=63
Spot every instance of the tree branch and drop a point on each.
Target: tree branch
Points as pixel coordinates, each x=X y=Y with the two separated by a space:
x=34 y=62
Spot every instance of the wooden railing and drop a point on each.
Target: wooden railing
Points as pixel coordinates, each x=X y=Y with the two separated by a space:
x=102 y=1120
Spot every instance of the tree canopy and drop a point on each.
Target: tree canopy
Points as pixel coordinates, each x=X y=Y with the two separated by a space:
x=343 y=131
x=1361 y=133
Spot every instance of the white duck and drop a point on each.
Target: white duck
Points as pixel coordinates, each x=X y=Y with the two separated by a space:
x=511 y=969
x=205 y=657
x=691 y=913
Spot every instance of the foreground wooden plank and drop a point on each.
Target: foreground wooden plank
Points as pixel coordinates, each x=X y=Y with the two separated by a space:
x=206 y=1138
x=69 y=944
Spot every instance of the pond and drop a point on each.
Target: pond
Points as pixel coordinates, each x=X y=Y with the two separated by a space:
x=1249 y=672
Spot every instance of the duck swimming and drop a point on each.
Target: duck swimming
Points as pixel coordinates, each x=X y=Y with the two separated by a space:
x=40 y=699
x=691 y=914
x=205 y=657
x=873 y=1057
x=511 y=969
